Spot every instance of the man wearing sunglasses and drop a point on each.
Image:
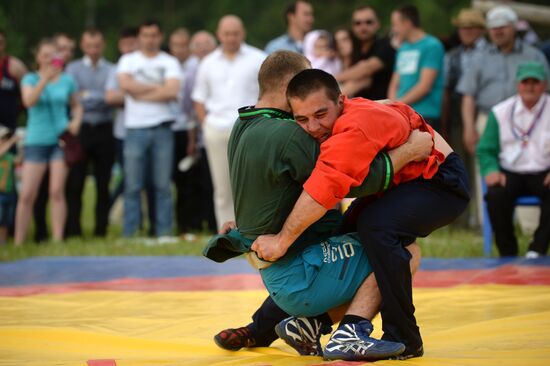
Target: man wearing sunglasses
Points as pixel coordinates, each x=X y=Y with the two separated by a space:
x=373 y=57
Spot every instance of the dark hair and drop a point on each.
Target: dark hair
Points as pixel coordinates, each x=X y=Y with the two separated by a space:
x=410 y=13
x=150 y=23
x=128 y=32
x=278 y=68
x=310 y=81
x=92 y=32
x=58 y=35
x=41 y=43
x=356 y=54
x=291 y=8
x=365 y=7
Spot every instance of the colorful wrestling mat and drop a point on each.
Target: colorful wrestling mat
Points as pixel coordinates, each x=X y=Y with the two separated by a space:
x=136 y=311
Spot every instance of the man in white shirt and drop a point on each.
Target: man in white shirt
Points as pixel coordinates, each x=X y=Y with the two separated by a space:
x=150 y=79
x=514 y=157
x=227 y=80
x=127 y=42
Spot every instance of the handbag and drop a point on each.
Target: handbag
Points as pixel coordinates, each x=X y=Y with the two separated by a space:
x=72 y=148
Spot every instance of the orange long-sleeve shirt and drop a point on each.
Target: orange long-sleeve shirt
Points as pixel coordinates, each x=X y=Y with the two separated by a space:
x=365 y=128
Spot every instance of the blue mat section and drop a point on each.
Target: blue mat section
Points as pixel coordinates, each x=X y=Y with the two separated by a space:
x=96 y=269
x=51 y=270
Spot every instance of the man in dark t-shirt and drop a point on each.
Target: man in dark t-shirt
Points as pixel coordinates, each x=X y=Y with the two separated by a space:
x=11 y=73
x=373 y=58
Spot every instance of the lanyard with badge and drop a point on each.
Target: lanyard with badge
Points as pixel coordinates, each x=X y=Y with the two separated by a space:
x=521 y=135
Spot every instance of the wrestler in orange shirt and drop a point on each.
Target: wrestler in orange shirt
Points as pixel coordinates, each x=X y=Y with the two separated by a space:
x=423 y=196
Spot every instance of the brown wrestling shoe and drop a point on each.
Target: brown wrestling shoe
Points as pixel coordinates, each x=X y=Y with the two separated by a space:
x=235 y=339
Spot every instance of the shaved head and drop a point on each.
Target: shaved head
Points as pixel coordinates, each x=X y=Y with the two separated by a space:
x=179 y=44
x=202 y=43
x=230 y=33
x=231 y=21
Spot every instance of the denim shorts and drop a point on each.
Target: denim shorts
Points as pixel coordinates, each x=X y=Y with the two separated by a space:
x=43 y=153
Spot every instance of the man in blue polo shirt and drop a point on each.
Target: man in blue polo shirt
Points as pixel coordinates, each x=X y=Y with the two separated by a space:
x=299 y=19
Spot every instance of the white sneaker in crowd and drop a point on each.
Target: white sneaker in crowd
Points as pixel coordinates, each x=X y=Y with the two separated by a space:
x=167 y=239
x=532 y=254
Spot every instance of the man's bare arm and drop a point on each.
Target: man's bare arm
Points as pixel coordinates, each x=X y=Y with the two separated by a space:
x=352 y=87
x=17 y=68
x=200 y=109
x=422 y=88
x=162 y=93
x=114 y=98
x=392 y=88
x=129 y=85
x=469 y=135
x=362 y=69
x=306 y=211
x=77 y=111
x=418 y=147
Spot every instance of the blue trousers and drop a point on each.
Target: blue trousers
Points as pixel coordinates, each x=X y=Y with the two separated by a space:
x=388 y=223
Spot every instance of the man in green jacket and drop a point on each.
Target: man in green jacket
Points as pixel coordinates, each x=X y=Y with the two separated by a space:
x=514 y=157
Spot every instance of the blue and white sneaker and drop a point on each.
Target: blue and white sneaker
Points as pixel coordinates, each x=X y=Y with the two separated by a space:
x=352 y=342
x=303 y=334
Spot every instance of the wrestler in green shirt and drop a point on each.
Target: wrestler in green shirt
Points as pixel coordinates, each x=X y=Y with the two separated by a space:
x=270 y=157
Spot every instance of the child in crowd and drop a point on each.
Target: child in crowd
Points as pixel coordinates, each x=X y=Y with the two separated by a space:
x=320 y=50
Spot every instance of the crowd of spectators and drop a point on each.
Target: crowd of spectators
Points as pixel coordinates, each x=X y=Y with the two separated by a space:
x=163 y=115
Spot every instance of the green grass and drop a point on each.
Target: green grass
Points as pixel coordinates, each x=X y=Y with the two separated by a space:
x=444 y=243
x=100 y=247
x=448 y=242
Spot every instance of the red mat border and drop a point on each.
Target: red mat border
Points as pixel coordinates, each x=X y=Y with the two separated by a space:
x=506 y=275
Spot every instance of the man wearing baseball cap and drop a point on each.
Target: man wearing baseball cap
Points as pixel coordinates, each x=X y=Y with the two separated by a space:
x=514 y=157
x=470 y=24
x=490 y=79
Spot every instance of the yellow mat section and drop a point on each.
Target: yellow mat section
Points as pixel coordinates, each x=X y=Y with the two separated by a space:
x=464 y=325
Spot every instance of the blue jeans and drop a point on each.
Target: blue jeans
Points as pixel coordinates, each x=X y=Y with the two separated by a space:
x=154 y=144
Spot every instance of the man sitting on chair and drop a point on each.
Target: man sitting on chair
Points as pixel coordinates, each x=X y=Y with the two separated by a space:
x=514 y=157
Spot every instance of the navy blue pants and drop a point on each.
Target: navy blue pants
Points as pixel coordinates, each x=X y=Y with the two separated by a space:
x=264 y=321
x=388 y=223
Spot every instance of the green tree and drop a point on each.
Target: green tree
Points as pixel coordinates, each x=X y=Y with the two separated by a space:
x=27 y=21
